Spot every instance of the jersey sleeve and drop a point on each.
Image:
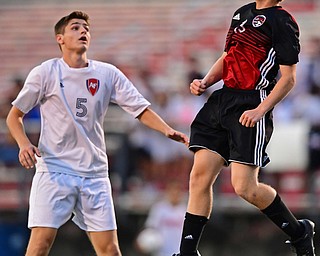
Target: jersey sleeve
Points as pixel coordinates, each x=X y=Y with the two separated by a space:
x=286 y=40
x=229 y=33
x=126 y=95
x=234 y=20
x=31 y=92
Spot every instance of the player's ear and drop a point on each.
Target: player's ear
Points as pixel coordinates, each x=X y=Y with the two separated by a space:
x=59 y=38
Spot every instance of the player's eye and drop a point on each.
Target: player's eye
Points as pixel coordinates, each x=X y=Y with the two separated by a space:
x=86 y=28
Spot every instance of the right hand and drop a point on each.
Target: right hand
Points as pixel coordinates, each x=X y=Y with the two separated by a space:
x=197 y=87
x=178 y=136
x=27 y=156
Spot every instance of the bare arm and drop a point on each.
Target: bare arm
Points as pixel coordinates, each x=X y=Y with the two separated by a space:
x=197 y=87
x=152 y=120
x=286 y=82
x=27 y=150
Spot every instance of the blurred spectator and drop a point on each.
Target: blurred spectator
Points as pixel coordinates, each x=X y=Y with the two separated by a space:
x=194 y=69
x=18 y=83
x=162 y=230
x=307 y=105
x=314 y=69
x=165 y=156
x=8 y=148
x=308 y=76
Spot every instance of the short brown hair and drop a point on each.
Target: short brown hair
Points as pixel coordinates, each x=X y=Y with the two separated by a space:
x=63 y=22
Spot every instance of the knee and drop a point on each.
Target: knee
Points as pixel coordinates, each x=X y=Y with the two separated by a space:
x=245 y=192
x=40 y=248
x=200 y=180
x=111 y=250
x=114 y=250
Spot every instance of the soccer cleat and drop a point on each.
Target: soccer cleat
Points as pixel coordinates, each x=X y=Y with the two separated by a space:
x=178 y=254
x=304 y=245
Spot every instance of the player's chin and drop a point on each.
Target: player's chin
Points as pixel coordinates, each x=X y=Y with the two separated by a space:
x=83 y=48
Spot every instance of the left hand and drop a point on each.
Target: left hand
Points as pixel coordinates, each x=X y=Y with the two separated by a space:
x=178 y=136
x=249 y=118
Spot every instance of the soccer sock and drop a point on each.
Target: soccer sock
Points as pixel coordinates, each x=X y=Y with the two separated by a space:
x=192 y=229
x=278 y=212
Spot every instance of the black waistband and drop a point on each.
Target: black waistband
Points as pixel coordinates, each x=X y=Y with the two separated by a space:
x=226 y=88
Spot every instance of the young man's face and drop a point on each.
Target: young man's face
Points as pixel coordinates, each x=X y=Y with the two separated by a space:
x=76 y=36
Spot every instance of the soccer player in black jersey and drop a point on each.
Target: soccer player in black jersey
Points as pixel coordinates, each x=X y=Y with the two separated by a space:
x=235 y=125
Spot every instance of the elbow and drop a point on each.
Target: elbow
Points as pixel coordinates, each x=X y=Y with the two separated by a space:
x=140 y=116
x=8 y=119
x=14 y=115
x=288 y=75
x=292 y=81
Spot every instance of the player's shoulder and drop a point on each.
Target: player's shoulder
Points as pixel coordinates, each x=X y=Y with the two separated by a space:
x=283 y=13
x=246 y=7
x=281 y=17
x=103 y=65
x=105 y=68
x=48 y=65
x=44 y=67
x=50 y=62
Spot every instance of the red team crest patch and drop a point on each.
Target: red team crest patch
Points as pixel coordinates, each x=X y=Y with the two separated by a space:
x=258 y=21
x=93 y=85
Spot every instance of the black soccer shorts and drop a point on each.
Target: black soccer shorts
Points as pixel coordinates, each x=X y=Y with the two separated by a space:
x=216 y=127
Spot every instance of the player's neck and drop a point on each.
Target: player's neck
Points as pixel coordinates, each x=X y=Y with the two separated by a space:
x=75 y=60
x=261 y=4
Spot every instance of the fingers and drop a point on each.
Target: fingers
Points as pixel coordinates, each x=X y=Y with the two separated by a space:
x=37 y=151
x=27 y=157
x=185 y=140
x=197 y=87
x=180 y=137
x=246 y=120
x=247 y=123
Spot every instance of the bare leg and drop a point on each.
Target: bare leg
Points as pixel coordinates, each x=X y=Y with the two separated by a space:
x=244 y=179
x=41 y=240
x=105 y=243
x=205 y=170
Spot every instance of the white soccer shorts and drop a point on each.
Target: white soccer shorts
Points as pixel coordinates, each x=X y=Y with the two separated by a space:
x=55 y=197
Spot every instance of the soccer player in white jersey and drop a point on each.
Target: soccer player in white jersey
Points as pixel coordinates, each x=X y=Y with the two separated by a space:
x=71 y=162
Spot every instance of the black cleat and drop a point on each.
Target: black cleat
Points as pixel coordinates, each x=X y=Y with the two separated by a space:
x=304 y=245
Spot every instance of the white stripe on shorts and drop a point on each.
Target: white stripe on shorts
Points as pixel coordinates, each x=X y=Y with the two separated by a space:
x=260 y=136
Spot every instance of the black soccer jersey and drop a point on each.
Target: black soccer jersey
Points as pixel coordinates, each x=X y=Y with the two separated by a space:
x=258 y=41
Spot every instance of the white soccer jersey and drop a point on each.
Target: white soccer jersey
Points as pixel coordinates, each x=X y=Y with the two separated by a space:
x=168 y=220
x=73 y=104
